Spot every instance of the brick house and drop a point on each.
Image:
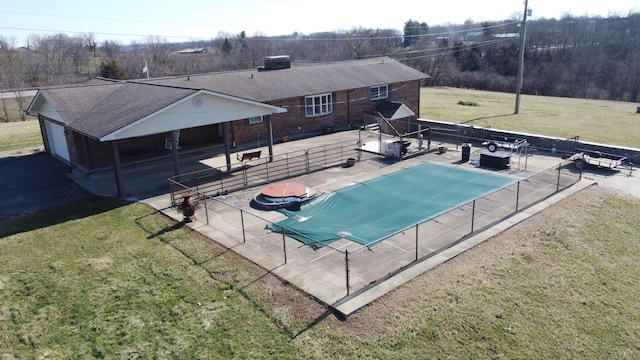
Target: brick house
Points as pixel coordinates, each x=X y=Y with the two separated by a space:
x=104 y=123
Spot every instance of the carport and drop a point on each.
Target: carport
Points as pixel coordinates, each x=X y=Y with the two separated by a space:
x=114 y=112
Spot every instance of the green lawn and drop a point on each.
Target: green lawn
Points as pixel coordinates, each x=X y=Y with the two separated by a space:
x=551 y=116
x=106 y=279
x=559 y=117
x=20 y=135
x=110 y=279
x=124 y=283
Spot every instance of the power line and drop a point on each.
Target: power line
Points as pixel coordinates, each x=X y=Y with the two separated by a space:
x=438 y=51
x=136 y=21
x=93 y=32
x=348 y=37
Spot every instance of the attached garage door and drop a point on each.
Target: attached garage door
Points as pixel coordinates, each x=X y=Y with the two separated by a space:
x=57 y=140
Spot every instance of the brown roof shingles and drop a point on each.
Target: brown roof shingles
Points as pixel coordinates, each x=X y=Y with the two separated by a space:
x=98 y=110
x=265 y=86
x=125 y=106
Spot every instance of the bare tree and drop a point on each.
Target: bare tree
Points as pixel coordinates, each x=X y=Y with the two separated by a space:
x=58 y=58
x=90 y=42
x=158 y=49
x=111 y=48
x=11 y=77
x=573 y=56
x=75 y=49
x=253 y=50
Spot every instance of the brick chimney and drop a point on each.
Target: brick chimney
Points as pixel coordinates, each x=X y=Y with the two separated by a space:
x=277 y=62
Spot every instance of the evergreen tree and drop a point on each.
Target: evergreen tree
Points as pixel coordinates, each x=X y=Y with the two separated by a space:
x=111 y=70
x=227 y=47
x=413 y=30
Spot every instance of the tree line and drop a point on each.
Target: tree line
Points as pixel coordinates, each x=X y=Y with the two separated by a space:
x=584 y=57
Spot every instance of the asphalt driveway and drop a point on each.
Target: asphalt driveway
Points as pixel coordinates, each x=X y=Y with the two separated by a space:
x=35 y=182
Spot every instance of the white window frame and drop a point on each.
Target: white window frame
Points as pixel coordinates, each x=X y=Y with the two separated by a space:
x=379 y=92
x=318 y=105
x=255 y=120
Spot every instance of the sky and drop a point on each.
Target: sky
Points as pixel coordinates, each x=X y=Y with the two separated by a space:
x=187 y=20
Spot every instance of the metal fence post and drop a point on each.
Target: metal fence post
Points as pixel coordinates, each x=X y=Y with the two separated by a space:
x=558 y=183
x=266 y=167
x=517 y=196
x=244 y=237
x=346 y=263
x=244 y=176
x=473 y=214
x=173 y=196
x=306 y=158
x=206 y=209
x=324 y=150
x=284 y=245
x=197 y=183
x=287 y=159
x=417 y=241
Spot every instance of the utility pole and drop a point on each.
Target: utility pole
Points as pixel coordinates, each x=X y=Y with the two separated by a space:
x=523 y=33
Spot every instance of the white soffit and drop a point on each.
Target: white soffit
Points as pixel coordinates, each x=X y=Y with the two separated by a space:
x=40 y=106
x=199 y=109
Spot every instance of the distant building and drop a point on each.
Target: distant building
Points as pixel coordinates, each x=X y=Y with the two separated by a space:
x=192 y=51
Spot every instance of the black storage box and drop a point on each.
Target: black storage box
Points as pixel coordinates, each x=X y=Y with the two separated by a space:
x=495 y=161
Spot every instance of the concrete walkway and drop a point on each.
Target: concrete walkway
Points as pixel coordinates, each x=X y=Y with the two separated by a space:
x=298 y=273
x=229 y=233
x=349 y=305
x=149 y=185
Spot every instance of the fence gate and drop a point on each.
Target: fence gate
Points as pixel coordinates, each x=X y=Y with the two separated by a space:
x=570 y=144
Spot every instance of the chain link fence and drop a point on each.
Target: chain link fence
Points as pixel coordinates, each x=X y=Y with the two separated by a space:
x=343 y=268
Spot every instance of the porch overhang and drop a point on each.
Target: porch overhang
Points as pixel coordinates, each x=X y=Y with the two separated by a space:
x=198 y=109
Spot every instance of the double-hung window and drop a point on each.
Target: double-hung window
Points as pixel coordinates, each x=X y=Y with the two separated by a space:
x=379 y=92
x=318 y=105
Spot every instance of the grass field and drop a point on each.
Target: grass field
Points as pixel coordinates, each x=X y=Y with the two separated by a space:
x=16 y=134
x=20 y=135
x=110 y=279
x=559 y=117
x=107 y=279
x=10 y=107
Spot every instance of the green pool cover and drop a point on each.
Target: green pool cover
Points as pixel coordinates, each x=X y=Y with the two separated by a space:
x=378 y=208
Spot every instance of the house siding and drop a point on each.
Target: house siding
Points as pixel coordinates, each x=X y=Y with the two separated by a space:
x=348 y=108
x=133 y=149
x=243 y=133
x=348 y=112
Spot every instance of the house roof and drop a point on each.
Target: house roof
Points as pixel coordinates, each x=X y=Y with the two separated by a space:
x=101 y=108
x=394 y=110
x=98 y=110
x=299 y=80
x=129 y=103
